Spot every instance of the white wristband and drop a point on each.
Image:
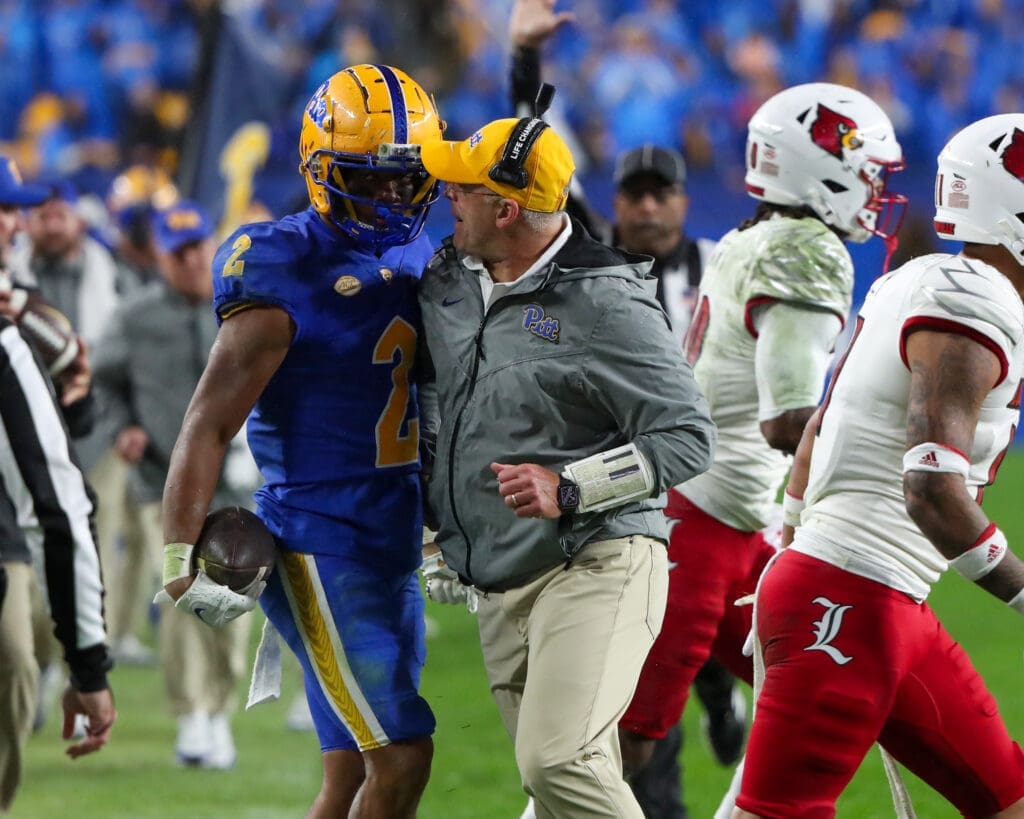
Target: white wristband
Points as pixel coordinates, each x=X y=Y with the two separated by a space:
x=792 y=507
x=177 y=561
x=611 y=478
x=1017 y=602
x=932 y=457
x=986 y=553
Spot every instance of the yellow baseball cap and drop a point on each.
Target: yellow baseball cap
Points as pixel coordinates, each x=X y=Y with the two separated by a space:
x=548 y=165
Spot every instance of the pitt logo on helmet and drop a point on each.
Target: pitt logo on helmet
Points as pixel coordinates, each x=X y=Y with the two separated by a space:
x=317 y=105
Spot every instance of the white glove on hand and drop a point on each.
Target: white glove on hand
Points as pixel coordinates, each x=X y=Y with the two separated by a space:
x=443 y=584
x=214 y=604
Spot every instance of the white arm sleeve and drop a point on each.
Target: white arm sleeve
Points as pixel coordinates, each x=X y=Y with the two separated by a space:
x=794 y=348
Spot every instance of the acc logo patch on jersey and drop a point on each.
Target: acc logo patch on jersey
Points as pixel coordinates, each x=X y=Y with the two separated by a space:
x=347 y=286
x=833 y=132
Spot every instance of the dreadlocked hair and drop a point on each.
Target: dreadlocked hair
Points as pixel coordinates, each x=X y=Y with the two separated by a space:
x=766 y=210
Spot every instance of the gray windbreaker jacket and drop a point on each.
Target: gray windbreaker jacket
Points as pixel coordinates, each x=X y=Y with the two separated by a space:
x=583 y=362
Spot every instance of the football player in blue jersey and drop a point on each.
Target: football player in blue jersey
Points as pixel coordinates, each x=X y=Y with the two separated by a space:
x=318 y=332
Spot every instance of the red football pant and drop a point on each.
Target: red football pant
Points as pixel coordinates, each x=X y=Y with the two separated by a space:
x=849 y=661
x=714 y=565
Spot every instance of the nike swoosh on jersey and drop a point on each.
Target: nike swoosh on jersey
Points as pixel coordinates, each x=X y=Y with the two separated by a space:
x=446 y=302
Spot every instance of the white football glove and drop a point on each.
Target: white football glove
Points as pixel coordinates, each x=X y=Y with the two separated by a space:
x=443 y=584
x=214 y=604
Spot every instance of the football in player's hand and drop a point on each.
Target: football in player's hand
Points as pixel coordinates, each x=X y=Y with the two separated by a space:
x=234 y=548
x=46 y=327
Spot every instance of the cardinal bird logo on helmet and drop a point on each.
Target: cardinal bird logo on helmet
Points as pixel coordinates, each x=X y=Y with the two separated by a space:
x=1013 y=156
x=833 y=132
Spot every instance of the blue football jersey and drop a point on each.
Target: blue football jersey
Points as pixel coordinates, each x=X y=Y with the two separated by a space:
x=336 y=431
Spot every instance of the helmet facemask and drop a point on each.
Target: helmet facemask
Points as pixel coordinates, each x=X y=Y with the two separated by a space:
x=882 y=215
x=346 y=181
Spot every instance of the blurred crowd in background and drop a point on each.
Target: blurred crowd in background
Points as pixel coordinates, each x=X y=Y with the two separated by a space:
x=90 y=87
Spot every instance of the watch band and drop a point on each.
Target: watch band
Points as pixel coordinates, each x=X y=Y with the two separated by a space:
x=568 y=495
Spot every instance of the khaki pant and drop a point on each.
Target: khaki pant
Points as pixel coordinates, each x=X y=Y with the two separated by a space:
x=201 y=665
x=129 y=574
x=19 y=676
x=563 y=656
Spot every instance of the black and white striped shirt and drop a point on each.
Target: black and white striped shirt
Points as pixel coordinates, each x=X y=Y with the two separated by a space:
x=45 y=489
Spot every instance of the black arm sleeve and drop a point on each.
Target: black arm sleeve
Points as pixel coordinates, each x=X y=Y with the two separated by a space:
x=80 y=416
x=524 y=77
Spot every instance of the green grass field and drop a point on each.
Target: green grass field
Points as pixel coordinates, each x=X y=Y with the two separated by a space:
x=474 y=775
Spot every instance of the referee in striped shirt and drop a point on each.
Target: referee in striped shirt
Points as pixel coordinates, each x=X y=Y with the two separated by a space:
x=46 y=510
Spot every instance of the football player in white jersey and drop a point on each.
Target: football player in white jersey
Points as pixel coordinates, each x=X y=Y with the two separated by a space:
x=914 y=426
x=772 y=302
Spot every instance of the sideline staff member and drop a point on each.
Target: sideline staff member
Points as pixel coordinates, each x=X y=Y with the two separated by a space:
x=46 y=504
x=542 y=340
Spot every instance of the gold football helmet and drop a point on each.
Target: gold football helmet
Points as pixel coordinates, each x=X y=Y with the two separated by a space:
x=370 y=119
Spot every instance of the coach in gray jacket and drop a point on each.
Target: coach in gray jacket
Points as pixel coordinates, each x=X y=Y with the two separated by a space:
x=556 y=409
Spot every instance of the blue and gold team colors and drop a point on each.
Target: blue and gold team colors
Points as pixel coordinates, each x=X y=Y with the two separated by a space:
x=336 y=435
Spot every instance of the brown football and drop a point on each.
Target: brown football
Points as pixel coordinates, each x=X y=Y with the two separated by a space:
x=234 y=548
x=46 y=327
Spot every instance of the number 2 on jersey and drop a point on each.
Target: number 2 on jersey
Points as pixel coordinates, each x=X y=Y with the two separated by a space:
x=394 y=449
x=233 y=266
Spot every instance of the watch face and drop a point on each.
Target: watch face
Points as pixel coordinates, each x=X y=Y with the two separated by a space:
x=568 y=496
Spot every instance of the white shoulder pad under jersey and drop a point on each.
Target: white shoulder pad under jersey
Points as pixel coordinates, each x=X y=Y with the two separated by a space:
x=799 y=260
x=856 y=516
x=972 y=295
x=794 y=260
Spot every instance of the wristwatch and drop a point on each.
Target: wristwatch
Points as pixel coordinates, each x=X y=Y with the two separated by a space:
x=568 y=495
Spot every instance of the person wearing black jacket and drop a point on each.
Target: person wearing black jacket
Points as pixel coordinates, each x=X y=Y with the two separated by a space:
x=650 y=207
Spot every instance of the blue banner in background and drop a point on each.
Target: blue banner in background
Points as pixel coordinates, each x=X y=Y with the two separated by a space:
x=239 y=159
